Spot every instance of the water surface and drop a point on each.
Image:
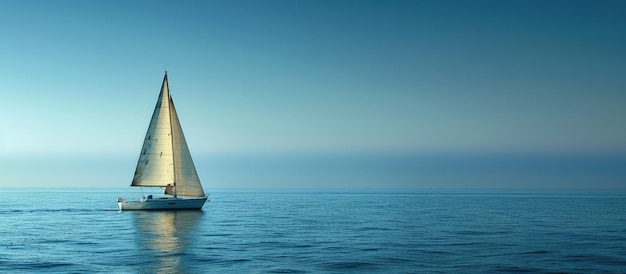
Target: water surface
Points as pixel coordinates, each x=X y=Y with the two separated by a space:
x=81 y=230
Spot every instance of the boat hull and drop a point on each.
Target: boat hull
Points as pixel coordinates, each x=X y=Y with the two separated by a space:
x=163 y=203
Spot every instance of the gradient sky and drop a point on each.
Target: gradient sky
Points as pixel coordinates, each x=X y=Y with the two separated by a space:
x=80 y=78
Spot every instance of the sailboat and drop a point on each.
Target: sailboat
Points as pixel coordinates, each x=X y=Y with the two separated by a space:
x=165 y=161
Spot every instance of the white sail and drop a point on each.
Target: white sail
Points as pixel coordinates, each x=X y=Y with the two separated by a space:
x=155 y=165
x=165 y=159
x=185 y=175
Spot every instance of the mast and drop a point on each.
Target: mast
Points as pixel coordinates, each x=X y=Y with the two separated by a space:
x=169 y=106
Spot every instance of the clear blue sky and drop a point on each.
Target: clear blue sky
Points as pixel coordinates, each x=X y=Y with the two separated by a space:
x=80 y=79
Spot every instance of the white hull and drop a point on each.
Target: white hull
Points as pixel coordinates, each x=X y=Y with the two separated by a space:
x=163 y=203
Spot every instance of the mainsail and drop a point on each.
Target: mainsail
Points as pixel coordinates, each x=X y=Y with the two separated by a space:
x=165 y=160
x=185 y=175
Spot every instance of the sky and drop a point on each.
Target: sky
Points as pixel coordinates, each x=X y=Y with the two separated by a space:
x=318 y=93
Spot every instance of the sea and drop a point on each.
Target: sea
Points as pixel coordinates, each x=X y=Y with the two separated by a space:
x=77 y=230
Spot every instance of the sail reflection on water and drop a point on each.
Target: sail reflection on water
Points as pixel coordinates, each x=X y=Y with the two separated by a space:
x=164 y=237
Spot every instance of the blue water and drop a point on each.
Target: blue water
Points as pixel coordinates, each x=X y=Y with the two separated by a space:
x=336 y=231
